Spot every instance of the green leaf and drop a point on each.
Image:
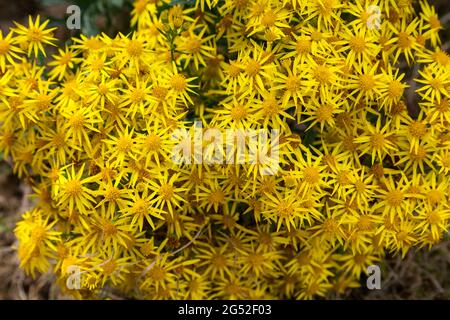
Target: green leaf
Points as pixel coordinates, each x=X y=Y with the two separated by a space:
x=117 y=3
x=40 y=59
x=89 y=29
x=85 y=3
x=50 y=2
x=101 y=7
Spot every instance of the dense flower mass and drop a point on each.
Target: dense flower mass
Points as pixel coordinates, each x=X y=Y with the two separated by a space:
x=364 y=152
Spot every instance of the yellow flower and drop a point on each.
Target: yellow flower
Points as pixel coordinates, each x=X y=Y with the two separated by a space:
x=165 y=192
x=71 y=190
x=360 y=44
x=35 y=36
x=435 y=82
x=63 y=63
x=404 y=37
x=193 y=45
x=139 y=208
x=394 y=198
x=8 y=50
x=357 y=172
x=375 y=141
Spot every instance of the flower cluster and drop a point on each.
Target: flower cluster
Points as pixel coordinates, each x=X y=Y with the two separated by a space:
x=364 y=154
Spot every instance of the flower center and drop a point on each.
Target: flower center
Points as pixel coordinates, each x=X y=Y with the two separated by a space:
x=178 y=82
x=311 y=175
x=238 y=113
x=4 y=47
x=395 y=89
x=395 y=198
x=417 y=129
x=366 y=82
x=253 y=67
x=404 y=40
x=166 y=191
x=269 y=19
x=34 y=35
x=135 y=48
x=73 y=188
x=293 y=83
x=357 y=44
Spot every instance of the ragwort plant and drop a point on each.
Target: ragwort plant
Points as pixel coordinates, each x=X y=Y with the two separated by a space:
x=363 y=170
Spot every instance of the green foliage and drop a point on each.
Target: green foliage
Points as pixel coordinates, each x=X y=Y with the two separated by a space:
x=97 y=15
